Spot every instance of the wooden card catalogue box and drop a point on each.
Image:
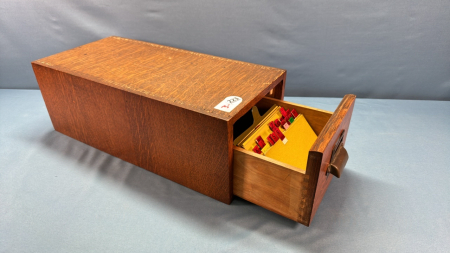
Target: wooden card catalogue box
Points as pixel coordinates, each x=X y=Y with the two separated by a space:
x=154 y=106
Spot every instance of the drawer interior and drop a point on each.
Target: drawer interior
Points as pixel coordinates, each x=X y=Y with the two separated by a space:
x=292 y=192
x=316 y=118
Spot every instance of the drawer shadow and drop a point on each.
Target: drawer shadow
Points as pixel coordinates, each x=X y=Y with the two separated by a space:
x=335 y=214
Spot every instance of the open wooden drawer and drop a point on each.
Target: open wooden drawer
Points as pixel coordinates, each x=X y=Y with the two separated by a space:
x=284 y=189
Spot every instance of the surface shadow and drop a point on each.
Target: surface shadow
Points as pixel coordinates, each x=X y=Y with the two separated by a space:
x=337 y=213
x=153 y=187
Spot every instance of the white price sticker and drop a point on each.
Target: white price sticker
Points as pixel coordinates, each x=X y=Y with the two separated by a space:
x=228 y=104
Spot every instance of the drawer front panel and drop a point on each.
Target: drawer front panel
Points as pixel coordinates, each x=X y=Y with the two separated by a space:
x=321 y=152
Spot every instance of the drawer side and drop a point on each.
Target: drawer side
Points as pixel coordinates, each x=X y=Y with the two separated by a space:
x=276 y=186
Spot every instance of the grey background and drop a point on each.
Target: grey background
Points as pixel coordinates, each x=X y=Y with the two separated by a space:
x=374 y=49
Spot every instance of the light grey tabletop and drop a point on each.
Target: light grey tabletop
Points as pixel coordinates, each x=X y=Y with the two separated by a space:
x=60 y=195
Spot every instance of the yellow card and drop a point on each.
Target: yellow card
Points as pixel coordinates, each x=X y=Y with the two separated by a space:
x=295 y=152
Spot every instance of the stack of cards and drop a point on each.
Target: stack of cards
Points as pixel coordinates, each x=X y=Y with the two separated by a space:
x=281 y=134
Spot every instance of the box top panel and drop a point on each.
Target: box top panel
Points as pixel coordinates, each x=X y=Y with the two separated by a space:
x=187 y=79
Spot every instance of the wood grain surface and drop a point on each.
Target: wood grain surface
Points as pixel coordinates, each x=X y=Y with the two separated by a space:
x=184 y=146
x=190 y=80
x=320 y=153
x=266 y=182
x=153 y=106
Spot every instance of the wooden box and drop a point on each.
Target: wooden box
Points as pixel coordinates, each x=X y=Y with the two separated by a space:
x=154 y=106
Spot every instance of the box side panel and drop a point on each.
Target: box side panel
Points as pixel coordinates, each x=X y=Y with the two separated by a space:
x=184 y=146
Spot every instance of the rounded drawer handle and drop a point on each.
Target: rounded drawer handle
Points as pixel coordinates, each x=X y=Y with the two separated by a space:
x=338 y=162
